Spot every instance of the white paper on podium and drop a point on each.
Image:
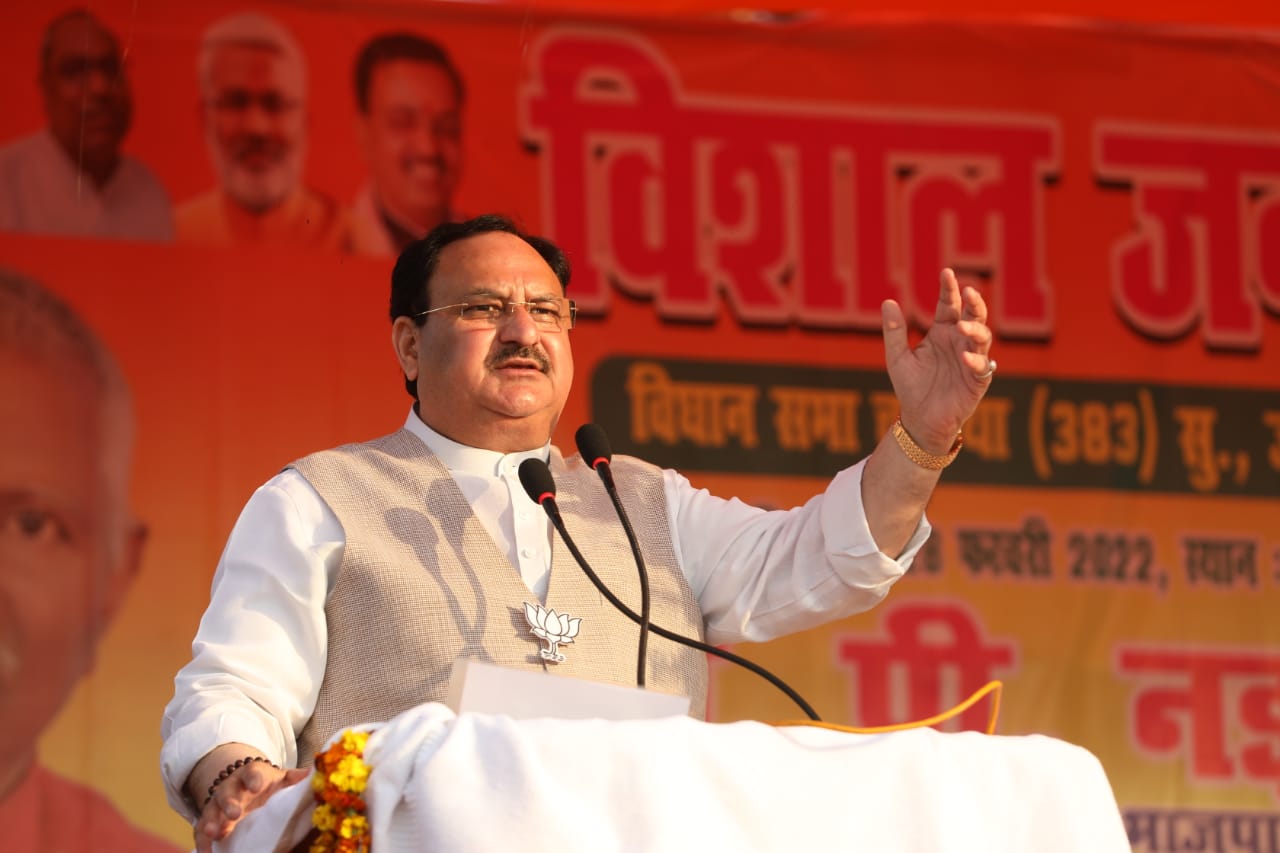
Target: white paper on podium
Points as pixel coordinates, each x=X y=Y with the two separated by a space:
x=486 y=688
x=480 y=782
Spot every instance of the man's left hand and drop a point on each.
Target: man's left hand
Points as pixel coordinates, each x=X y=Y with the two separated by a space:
x=940 y=381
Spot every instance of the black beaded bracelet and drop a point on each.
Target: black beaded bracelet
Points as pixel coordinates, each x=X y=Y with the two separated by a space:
x=229 y=771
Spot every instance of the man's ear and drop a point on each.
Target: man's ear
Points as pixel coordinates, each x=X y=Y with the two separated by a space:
x=405 y=336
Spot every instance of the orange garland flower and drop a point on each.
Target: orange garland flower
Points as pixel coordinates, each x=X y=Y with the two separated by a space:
x=339 y=782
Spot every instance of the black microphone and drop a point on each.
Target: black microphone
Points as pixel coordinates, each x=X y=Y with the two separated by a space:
x=536 y=478
x=593 y=444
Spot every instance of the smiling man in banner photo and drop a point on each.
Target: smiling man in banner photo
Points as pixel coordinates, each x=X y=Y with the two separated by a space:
x=253 y=90
x=69 y=550
x=353 y=579
x=409 y=96
x=72 y=177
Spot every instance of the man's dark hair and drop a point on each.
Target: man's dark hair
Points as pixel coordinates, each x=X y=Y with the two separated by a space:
x=411 y=278
x=51 y=29
x=389 y=47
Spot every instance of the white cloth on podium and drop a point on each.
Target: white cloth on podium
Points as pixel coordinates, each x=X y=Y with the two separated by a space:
x=479 y=782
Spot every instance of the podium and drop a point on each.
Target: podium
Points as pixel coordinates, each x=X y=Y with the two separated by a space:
x=483 y=782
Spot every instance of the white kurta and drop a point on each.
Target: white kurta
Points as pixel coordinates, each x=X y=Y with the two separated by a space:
x=259 y=655
x=42 y=192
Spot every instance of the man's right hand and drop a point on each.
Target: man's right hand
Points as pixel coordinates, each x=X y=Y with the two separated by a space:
x=245 y=789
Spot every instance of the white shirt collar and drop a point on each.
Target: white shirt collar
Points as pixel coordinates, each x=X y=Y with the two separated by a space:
x=464 y=459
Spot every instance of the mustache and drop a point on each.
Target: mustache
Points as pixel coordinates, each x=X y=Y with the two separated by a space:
x=433 y=160
x=94 y=104
x=254 y=144
x=519 y=352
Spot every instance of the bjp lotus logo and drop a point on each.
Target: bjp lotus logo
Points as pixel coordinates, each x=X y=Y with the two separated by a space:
x=552 y=628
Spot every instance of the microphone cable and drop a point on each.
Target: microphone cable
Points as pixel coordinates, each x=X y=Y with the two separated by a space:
x=594 y=447
x=536 y=478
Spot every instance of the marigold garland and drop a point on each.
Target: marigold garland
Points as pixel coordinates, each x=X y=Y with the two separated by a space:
x=338 y=782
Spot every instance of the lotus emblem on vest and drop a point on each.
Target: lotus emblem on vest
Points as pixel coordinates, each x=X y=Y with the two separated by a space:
x=552 y=628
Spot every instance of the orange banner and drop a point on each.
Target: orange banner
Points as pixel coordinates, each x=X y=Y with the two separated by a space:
x=737 y=201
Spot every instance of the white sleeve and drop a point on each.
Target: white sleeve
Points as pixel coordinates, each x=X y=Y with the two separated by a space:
x=259 y=655
x=760 y=574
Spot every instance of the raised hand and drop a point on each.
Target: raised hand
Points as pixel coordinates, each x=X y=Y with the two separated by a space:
x=940 y=381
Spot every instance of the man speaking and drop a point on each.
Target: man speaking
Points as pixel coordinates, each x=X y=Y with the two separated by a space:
x=354 y=579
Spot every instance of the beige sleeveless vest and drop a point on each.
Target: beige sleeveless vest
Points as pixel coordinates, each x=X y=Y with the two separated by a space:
x=422 y=583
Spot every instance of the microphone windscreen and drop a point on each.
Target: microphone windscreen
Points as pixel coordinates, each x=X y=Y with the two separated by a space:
x=593 y=444
x=536 y=478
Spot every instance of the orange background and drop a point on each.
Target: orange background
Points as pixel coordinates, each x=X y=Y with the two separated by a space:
x=243 y=360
